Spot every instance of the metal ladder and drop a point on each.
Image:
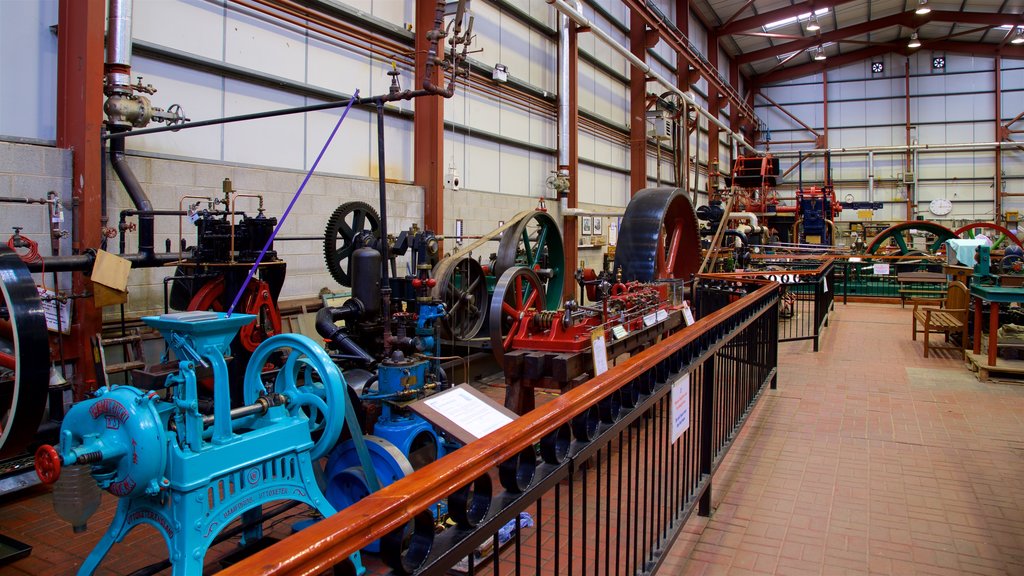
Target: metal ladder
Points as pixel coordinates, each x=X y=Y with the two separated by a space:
x=131 y=344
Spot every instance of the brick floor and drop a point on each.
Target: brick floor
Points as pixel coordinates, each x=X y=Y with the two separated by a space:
x=869 y=458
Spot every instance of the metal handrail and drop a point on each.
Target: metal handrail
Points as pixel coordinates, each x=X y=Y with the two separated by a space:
x=331 y=541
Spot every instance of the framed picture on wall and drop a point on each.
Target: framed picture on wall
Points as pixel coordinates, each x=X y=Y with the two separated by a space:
x=598 y=224
x=585 y=225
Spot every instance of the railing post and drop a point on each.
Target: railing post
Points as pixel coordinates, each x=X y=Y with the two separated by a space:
x=707 y=431
x=817 y=312
x=773 y=345
x=846 y=281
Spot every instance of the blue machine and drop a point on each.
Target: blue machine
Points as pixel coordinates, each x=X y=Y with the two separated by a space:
x=189 y=475
x=402 y=441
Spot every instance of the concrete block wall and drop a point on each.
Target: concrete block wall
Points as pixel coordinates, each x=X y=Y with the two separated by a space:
x=168 y=180
x=32 y=170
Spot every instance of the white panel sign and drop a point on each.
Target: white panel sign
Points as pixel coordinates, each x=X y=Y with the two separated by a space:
x=680 y=407
x=600 y=349
x=881 y=269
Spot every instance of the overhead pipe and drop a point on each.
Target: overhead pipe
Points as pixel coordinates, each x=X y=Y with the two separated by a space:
x=871 y=176
x=562 y=7
x=897 y=149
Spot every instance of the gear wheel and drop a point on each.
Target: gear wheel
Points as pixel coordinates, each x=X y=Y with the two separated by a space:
x=346 y=231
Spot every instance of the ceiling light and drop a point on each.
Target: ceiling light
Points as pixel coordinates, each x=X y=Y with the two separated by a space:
x=813 y=25
x=1018 y=37
x=819 y=53
x=914 y=41
x=922 y=7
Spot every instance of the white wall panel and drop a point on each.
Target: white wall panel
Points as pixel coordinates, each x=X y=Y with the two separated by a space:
x=350 y=151
x=28 y=69
x=276 y=141
x=258 y=45
x=194 y=26
x=201 y=97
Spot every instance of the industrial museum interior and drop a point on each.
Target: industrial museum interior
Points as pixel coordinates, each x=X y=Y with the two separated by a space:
x=511 y=286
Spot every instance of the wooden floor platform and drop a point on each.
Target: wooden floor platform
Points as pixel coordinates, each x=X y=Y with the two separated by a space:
x=1010 y=369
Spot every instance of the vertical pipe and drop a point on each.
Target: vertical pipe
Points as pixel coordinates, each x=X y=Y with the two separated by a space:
x=637 y=105
x=999 y=138
x=119 y=46
x=909 y=167
x=827 y=177
x=385 y=250
x=871 y=176
x=714 y=107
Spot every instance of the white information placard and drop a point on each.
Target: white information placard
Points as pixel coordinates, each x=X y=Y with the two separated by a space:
x=688 y=314
x=680 y=407
x=881 y=269
x=600 y=349
x=467 y=411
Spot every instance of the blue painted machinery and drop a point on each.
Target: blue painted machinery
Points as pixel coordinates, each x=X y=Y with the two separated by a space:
x=188 y=474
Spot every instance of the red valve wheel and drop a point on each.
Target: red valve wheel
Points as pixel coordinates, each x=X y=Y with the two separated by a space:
x=47 y=464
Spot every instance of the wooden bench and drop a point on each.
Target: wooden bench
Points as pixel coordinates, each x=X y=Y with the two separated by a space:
x=948 y=318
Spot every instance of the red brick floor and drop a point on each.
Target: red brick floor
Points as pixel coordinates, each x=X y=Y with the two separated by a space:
x=869 y=458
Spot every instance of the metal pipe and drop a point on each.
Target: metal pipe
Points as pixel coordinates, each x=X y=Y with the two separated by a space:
x=119 y=46
x=138 y=196
x=871 y=176
x=582 y=21
x=897 y=149
x=84 y=262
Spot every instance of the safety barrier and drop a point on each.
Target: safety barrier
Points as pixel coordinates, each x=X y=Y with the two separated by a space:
x=626 y=459
x=807 y=296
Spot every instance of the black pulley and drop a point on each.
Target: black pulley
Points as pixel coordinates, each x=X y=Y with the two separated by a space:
x=24 y=356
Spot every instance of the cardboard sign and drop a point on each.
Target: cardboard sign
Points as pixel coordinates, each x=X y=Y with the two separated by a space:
x=600 y=350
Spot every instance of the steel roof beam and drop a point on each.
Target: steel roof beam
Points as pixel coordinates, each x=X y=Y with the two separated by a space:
x=973 y=48
x=907 y=19
x=745 y=24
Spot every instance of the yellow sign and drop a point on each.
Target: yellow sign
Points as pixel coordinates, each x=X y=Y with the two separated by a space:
x=865 y=214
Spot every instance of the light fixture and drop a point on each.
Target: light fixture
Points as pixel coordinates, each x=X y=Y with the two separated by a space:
x=500 y=73
x=915 y=42
x=1018 y=36
x=922 y=7
x=819 y=53
x=812 y=24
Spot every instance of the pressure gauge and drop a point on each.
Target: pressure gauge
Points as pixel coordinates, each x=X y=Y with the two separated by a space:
x=940 y=207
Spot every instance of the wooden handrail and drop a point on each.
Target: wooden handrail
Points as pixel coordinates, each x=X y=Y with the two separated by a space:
x=750 y=274
x=332 y=540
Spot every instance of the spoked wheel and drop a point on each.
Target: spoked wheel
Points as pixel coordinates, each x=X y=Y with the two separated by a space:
x=536 y=243
x=24 y=356
x=462 y=287
x=518 y=291
x=310 y=380
x=999 y=235
x=353 y=225
x=659 y=237
x=895 y=232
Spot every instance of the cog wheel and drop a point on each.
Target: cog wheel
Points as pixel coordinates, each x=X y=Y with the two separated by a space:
x=348 y=229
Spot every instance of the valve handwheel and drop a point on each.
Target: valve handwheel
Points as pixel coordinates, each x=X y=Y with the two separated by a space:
x=48 y=464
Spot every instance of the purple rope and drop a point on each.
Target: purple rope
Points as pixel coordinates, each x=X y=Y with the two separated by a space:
x=291 y=204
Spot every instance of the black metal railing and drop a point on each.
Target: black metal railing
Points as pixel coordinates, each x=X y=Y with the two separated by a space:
x=613 y=485
x=807 y=297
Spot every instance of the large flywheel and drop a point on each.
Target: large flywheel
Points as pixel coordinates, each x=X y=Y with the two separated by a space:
x=895 y=232
x=999 y=235
x=24 y=356
x=536 y=243
x=462 y=287
x=659 y=237
x=352 y=225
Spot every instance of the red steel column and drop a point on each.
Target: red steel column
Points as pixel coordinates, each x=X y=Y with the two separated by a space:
x=683 y=82
x=80 y=28
x=569 y=234
x=637 y=106
x=428 y=128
